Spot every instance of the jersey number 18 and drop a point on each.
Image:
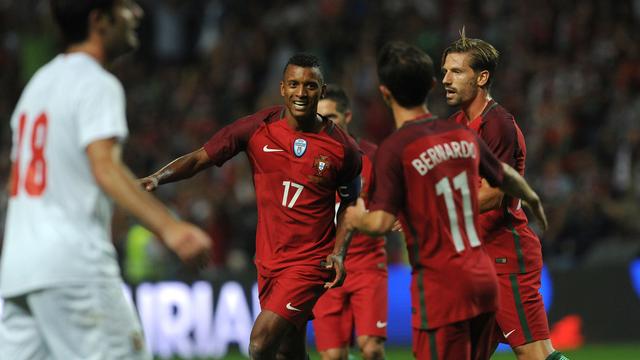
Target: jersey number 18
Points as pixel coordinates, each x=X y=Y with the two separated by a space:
x=36 y=174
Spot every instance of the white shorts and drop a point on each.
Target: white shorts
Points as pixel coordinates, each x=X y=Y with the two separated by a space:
x=83 y=322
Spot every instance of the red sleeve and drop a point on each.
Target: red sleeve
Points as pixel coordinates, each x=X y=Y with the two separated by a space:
x=388 y=187
x=352 y=165
x=500 y=134
x=233 y=138
x=490 y=166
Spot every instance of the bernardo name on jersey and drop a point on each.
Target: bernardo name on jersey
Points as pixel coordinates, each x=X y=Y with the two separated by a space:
x=439 y=153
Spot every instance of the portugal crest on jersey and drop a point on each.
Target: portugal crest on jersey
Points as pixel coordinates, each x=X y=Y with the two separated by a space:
x=299 y=147
x=321 y=164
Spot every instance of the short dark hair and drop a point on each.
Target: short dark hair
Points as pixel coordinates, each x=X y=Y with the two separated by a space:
x=72 y=16
x=483 y=55
x=336 y=94
x=406 y=71
x=304 y=60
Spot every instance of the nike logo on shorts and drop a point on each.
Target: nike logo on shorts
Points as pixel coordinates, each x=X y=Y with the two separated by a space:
x=290 y=307
x=380 y=324
x=267 y=149
x=506 y=335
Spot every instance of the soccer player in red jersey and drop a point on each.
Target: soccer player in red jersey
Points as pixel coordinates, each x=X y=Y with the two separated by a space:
x=425 y=172
x=362 y=299
x=299 y=160
x=468 y=68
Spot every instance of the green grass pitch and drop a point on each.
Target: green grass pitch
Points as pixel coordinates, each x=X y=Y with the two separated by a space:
x=590 y=352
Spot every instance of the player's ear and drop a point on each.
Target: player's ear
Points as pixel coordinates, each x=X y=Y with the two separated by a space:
x=483 y=78
x=323 y=91
x=386 y=94
x=282 y=88
x=348 y=115
x=98 y=21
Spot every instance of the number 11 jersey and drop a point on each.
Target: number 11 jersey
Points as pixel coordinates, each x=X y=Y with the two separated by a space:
x=427 y=172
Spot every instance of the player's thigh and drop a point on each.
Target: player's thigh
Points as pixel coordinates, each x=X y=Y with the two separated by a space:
x=369 y=303
x=449 y=342
x=333 y=323
x=89 y=321
x=521 y=317
x=19 y=335
x=481 y=329
x=293 y=294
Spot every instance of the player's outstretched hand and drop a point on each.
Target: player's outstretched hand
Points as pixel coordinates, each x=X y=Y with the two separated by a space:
x=148 y=183
x=535 y=206
x=336 y=262
x=189 y=242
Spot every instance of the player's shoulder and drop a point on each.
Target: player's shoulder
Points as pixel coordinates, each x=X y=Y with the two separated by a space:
x=498 y=117
x=269 y=114
x=336 y=133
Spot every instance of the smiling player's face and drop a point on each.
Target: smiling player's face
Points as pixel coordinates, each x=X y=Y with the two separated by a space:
x=302 y=88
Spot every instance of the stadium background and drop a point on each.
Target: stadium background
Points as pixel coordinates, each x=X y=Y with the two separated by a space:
x=569 y=72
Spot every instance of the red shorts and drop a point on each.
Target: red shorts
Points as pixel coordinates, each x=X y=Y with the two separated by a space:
x=362 y=300
x=464 y=340
x=521 y=317
x=293 y=292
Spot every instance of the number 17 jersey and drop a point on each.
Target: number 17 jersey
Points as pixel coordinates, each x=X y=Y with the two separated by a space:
x=296 y=175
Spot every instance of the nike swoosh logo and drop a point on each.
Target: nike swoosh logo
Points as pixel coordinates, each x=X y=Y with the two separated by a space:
x=290 y=307
x=509 y=333
x=380 y=324
x=266 y=149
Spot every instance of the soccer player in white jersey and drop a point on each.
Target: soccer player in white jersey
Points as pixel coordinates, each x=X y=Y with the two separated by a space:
x=59 y=274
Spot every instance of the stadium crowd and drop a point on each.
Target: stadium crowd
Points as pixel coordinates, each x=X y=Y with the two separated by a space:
x=570 y=73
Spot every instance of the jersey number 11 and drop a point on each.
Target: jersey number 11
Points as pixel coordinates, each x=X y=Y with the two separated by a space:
x=443 y=187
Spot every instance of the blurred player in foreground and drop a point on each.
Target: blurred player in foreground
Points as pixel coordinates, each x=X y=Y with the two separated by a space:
x=299 y=160
x=362 y=299
x=469 y=68
x=425 y=171
x=59 y=275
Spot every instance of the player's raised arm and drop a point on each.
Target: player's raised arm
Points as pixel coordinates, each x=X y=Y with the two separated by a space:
x=116 y=180
x=181 y=168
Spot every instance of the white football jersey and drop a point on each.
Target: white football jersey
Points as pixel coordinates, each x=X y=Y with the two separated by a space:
x=58 y=226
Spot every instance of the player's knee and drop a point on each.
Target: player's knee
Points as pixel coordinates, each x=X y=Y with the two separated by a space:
x=259 y=348
x=334 y=354
x=373 y=350
x=289 y=355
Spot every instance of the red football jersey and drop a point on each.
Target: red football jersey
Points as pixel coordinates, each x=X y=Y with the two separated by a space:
x=296 y=176
x=512 y=245
x=426 y=172
x=366 y=252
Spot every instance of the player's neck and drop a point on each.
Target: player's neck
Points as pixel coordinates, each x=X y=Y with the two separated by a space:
x=401 y=114
x=90 y=48
x=311 y=124
x=474 y=108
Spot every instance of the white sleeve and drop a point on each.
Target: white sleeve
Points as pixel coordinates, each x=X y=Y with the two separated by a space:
x=101 y=112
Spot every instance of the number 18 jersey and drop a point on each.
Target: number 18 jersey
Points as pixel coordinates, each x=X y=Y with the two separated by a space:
x=426 y=172
x=58 y=219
